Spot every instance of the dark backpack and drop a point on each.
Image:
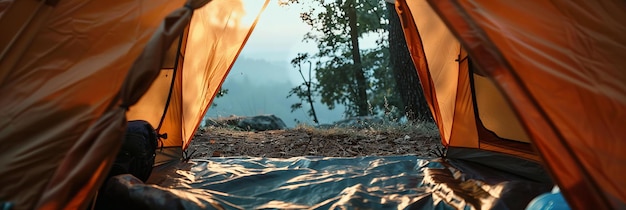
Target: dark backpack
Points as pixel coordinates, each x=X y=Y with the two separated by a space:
x=136 y=156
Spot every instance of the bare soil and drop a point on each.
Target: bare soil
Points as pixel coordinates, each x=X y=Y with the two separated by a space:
x=306 y=141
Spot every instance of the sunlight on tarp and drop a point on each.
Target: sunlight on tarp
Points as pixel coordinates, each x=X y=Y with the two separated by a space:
x=391 y=182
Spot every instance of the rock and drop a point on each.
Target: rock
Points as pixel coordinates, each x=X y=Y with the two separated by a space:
x=262 y=123
x=231 y=121
x=254 y=123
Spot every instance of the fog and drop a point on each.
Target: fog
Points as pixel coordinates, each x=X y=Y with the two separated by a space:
x=262 y=76
x=258 y=86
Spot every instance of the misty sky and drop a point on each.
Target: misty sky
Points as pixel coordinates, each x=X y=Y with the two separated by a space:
x=262 y=76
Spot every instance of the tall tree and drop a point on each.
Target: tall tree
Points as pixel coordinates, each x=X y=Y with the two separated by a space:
x=343 y=74
x=407 y=82
x=359 y=75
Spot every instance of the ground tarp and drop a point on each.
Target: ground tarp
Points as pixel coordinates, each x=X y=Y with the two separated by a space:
x=393 y=182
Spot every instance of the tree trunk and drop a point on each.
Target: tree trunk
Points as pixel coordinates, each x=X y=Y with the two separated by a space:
x=359 y=75
x=407 y=82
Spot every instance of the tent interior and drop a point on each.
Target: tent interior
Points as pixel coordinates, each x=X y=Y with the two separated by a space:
x=526 y=95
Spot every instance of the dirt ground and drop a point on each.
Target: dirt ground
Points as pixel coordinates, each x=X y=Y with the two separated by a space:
x=306 y=141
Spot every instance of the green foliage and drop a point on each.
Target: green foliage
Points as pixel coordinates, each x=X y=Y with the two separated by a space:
x=222 y=92
x=384 y=98
x=335 y=67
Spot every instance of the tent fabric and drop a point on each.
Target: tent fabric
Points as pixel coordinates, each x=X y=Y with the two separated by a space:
x=449 y=82
x=492 y=114
x=437 y=51
x=71 y=62
x=214 y=39
x=77 y=178
x=560 y=65
x=551 y=71
x=62 y=67
x=17 y=32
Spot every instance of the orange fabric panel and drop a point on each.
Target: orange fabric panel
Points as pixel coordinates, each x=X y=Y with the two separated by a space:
x=4 y=6
x=414 y=44
x=214 y=38
x=20 y=22
x=440 y=50
x=435 y=51
x=82 y=170
x=217 y=34
x=495 y=112
x=464 y=130
x=172 y=122
x=68 y=74
x=563 y=72
x=151 y=107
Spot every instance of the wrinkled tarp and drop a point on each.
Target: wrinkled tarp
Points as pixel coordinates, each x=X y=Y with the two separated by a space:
x=394 y=182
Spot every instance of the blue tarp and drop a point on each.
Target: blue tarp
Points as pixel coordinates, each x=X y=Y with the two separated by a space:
x=324 y=183
x=395 y=182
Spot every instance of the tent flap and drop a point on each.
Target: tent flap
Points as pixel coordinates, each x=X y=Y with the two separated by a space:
x=563 y=76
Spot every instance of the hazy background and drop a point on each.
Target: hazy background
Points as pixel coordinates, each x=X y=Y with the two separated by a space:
x=262 y=76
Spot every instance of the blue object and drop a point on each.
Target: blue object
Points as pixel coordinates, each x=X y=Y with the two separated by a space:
x=6 y=205
x=549 y=201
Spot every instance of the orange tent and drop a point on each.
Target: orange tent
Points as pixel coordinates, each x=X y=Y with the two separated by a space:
x=73 y=72
x=542 y=81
